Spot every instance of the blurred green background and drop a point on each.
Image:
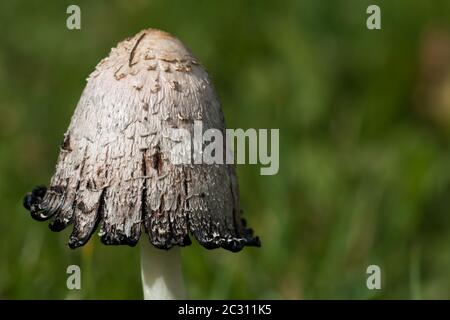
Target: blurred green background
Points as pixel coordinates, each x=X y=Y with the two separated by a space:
x=364 y=119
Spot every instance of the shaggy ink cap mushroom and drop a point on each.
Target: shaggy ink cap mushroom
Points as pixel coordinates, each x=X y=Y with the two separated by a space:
x=114 y=169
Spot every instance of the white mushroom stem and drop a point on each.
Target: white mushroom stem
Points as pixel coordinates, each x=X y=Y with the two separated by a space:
x=161 y=273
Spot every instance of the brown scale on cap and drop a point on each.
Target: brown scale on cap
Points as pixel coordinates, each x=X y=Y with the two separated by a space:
x=114 y=167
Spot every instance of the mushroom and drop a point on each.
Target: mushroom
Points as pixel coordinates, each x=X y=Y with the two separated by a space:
x=114 y=169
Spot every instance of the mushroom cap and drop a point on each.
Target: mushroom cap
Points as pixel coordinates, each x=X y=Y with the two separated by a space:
x=114 y=167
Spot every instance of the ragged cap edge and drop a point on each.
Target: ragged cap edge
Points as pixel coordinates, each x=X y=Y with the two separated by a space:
x=35 y=203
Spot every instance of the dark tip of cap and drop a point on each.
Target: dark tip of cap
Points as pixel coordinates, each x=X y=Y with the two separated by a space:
x=27 y=201
x=187 y=241
x=118 y=238
x=74 y=243
x=39 y=191
x=256 y=242
x=33 y=198
x=57 y=225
